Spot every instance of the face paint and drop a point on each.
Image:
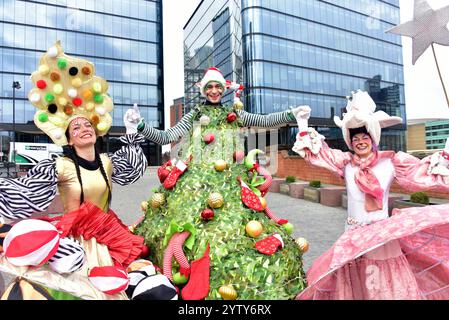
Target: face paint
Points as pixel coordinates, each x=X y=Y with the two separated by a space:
x=76 y=125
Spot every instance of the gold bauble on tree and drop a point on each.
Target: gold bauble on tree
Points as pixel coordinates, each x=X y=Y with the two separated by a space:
x=220 y=165
x=144 y=206
x=215 y=200
x=157 y=200
x=303 y=244
x=254 y=228
x=263 y=202
x=227 y=292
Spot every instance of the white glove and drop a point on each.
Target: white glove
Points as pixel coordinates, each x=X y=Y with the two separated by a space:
x=302 y=115
x=439 y=162
x=131 y=119
x=444 y=156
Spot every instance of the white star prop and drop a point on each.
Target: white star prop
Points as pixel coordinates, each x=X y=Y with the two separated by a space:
x=428 y=26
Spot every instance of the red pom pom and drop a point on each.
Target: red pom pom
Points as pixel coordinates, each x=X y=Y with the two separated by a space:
x=41 y=84
x=77 y=102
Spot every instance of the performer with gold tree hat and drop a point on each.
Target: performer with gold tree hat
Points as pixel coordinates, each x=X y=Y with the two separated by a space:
x=73 y=109
x=404 y=256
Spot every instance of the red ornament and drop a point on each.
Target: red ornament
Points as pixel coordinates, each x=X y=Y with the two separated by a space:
x=231 y=117
x=163 y=172
x=239 y=155
x=41 y=84
x=270 y=245
x=207 y=214
x=145 y=251
x=249 y=198
x=208 y=138
x=77 y=102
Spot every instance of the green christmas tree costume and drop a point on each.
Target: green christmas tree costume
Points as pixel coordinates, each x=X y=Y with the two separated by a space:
x=234 y=259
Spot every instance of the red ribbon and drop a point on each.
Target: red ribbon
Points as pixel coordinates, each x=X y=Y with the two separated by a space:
x=255 y=167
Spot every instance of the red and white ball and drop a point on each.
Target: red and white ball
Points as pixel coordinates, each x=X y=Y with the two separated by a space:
x=31 y=242
x=109 y=279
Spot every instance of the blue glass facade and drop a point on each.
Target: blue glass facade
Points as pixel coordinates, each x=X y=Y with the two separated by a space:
x=298 y=52
x=123 y=38
x=436 y=134
x=316 y=52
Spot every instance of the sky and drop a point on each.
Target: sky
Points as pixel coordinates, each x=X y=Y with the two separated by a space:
x=423 y=90
x=424 y=95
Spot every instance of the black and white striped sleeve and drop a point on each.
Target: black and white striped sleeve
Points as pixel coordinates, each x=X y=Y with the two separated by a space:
x=129 y=162
x=265 y=121
x=172 y=134
x=19 y=198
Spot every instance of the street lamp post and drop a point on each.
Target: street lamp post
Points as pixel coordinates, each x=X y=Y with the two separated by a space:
x=15 y=86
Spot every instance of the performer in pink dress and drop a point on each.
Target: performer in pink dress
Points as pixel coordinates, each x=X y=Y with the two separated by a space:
x=405 y=256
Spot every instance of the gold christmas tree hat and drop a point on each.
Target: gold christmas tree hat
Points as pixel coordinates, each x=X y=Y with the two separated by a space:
x=67 y=88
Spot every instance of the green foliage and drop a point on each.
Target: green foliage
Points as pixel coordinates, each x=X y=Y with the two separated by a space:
x=419 y=197
x=234 y=259
x=290 y=179
x=315 y=184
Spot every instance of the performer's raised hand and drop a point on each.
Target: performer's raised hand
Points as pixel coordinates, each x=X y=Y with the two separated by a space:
x=302 y=115
x=131 y=119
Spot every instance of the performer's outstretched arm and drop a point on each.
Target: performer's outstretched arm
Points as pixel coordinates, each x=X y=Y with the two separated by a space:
x=129 y=162
x=170 y=135
x=429 y=173
x=19 y=198
x=265 y=121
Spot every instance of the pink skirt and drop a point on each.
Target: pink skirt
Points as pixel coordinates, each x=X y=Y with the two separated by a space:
x=400 y=258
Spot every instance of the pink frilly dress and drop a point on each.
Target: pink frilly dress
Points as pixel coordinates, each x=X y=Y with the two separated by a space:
x=402 y=257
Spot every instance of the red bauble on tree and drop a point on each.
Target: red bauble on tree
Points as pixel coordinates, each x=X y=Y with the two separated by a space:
x=231 y=117
x=208 y=138
x=239 y=155
x=207 y=214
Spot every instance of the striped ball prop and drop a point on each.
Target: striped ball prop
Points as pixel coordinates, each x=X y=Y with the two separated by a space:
x=31 y=242
x=109 y=279
x=70 y=256
x=137 y=271
x=156 y=287
x=134 y=278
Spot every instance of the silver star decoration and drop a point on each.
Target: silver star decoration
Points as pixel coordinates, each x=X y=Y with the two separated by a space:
x=428 y=26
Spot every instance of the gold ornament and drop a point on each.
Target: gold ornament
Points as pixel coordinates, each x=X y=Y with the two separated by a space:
x=254 y=228
x=220 y=165
x=303 y=244
x=263 y=202
x=144 y=206
x=238 y=105
x=157 y=200
x=215 y=200
x=227 y=292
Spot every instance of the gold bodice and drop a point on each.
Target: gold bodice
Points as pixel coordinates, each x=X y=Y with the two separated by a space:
x=94 y=186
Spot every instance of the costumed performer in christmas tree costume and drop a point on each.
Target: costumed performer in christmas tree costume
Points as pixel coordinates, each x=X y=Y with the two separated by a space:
x=208 y=224
x=405 y=256
x=73 y=109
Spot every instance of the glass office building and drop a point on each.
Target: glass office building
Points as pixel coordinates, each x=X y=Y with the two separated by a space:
x=297 y=52
x=436 y=134
x=212 y=37
x=123 y=38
